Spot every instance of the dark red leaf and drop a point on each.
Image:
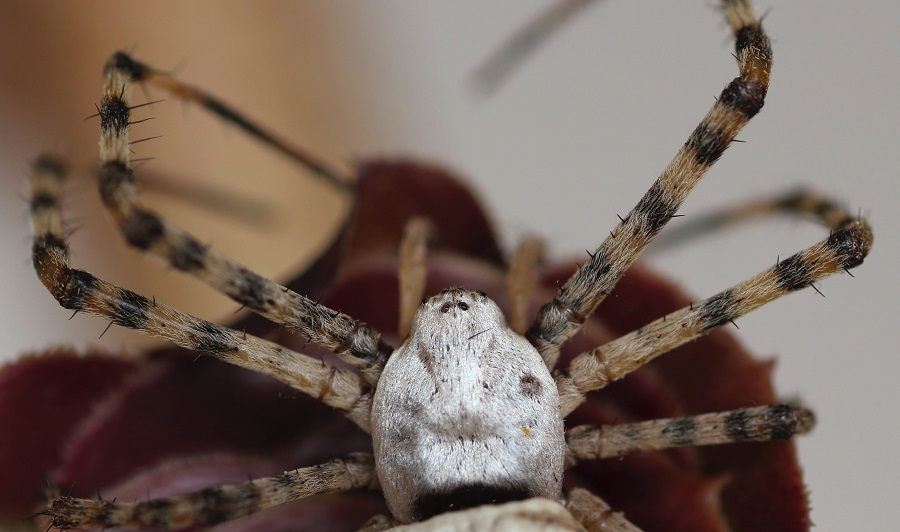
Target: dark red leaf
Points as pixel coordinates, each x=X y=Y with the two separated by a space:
x=43 y=399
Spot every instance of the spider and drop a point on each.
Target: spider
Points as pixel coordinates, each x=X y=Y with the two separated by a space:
x=468 y=413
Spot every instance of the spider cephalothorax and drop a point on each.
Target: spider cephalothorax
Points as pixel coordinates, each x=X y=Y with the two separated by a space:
x=467 y=412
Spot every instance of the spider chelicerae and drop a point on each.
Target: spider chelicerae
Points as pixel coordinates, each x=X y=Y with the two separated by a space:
x=467 y=412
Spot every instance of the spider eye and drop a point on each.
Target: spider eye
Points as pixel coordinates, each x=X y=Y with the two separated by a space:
x=463 y=305
x=445 y=308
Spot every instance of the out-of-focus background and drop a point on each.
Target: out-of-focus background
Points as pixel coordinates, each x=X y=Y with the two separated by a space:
x=575 y=136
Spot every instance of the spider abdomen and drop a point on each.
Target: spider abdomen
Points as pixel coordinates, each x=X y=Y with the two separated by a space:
x=466 y=413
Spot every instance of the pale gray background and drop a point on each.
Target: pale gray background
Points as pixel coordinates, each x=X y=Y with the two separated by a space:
x=575 y=137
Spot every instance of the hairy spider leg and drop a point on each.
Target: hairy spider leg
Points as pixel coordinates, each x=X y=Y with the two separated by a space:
x=80 y=291
x=845 y=248
x=759 y=423
x=742 y=99
x=354 y=342
x=218 y=504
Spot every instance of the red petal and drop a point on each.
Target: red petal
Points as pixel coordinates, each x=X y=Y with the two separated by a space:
x=184 y=407
x=391 y=192
x=42 y=399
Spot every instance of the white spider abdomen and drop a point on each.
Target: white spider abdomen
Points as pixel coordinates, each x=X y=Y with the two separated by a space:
x=465 y=413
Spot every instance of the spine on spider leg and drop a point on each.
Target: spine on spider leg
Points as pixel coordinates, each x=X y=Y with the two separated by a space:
x=740 y=101
x=80 y=291
x=215 y=505
x=355 y=342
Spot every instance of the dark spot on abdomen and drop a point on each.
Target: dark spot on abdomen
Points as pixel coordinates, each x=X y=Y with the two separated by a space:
x=529 y=385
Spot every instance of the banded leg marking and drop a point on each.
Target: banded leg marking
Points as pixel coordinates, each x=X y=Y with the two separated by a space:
x=845 y=248
x=79 y=290
x=739 y=102
x=355 y=342
x=137 y=72
x=216 y=504
x=762 y=423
